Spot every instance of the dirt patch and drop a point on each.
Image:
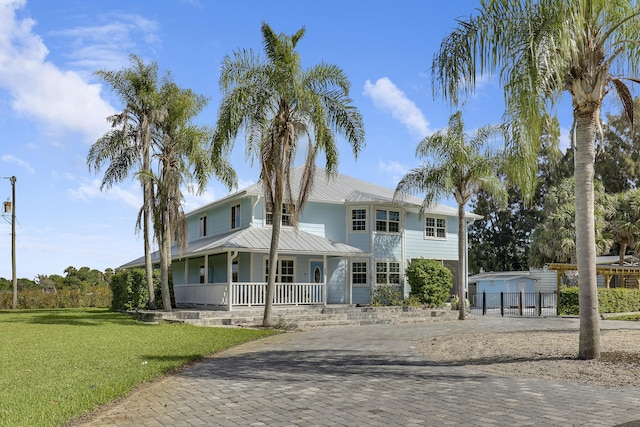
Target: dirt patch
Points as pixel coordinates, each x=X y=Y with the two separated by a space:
x=548 y=355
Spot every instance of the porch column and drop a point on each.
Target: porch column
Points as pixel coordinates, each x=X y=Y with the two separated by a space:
x=349 y=280
x=186 y=271
x=206 y=269
x=324 y=280
x=230 y=256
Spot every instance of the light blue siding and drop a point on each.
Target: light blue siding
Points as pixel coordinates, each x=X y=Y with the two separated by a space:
x=360 y=241
x=328 y=219
x=387 y=246
x=194 y=269
x=336 y=280
x=417 y=246
x=361 y=295
x=244 y=267
x=177 y=271
x=218 y=268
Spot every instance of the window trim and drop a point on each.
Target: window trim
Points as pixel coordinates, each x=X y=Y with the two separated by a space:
x=235 y=213
x=352 y=220
x=366 y=273
x=265 y=271
x=435 y=228
x=268 y=216
x=388 y=221
x=387 y=272
x=202 y=226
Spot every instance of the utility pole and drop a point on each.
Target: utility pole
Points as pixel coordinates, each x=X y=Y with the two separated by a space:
x=13 y=242
x=11 y=206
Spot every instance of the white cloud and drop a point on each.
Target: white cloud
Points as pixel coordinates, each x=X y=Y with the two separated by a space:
x=15 y=160
x=393 y=169
x=60 y=99
x=91 y=190
x=388 y=97
x=565 y=139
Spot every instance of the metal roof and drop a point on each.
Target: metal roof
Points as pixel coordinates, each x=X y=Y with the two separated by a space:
x=258 y=240
x=339 y=188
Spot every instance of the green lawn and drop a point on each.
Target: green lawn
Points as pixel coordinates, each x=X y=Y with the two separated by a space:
x=59 y=364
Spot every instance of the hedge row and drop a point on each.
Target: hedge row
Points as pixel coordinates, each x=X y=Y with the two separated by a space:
x=612 y=300
x=96 y=296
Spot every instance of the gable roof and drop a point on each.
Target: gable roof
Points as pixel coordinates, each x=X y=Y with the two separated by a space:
x=258 y=240
x=340 y=189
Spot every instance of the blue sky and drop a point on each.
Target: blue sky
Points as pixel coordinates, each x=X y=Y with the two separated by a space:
x=52 y=108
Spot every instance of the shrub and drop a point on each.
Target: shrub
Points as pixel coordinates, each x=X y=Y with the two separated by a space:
x=129 y=290
x=65 y=297
x=385 y=294
x=612 y=300
x=430 y=281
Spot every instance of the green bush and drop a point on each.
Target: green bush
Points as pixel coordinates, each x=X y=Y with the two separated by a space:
x=129 y=290
x=385 y=294
x=430 y=281
x=612 y=300
x=65 y=297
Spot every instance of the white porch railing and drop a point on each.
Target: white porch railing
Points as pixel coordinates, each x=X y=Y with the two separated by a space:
x=249 y=294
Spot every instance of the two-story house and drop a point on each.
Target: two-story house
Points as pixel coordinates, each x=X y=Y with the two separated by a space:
x=350 y=237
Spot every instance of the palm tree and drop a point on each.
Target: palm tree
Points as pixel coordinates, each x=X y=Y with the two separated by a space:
x=127 y=146
x=540 y=49
x=277 y=103
x=461 y=167
x=180 y=153
x=554 y=240
x=624 y=220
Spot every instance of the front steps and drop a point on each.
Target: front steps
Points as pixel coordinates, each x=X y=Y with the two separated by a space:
x=301 y=317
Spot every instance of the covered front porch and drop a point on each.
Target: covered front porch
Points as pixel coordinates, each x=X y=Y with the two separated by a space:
x=231 y=271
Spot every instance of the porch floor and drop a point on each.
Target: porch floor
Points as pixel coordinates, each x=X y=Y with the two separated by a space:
x=301 y=317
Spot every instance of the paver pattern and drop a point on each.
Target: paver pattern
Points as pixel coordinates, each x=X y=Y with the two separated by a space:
x=367 y=376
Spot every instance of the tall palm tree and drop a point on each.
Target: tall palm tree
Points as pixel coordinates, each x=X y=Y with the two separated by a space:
x=181 y=158
x=461 y=166
x=127 y=146
x=276 y=103
x=540 y=49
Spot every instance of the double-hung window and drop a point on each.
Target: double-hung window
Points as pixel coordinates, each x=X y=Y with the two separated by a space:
x=359 y=219
x=235 y=216
x=387 y=220
x=284 y=272
x=387 y=272
x=286 y=215
x=359 y=273
x=202 y=228
x=435 y=228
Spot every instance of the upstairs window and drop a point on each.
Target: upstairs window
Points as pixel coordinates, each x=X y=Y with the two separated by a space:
x=286 y=215
x=358 y=220
x=388 y=221
x=202 y=229
x=235 y=216
x=435 y=228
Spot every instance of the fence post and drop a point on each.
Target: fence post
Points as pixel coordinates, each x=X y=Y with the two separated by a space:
x=539 y=303
x=520 y=305
x=502 y=304
x=557 y=295
x=484 y=302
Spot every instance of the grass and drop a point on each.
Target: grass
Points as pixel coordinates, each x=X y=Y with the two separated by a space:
x=634 y=316
x=57 y=365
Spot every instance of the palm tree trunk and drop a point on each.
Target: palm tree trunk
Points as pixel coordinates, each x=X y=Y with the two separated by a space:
x=273 y=255
x=623 y=251
x=146 y=219
x=461 y=261
x=589 y=342
x=165 y=257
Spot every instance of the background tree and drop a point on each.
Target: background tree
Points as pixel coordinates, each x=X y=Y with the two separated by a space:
x=461 y=166
x=618 y=155
x=126 y=148
x=182 y=159
x=277 y=103
x=554 y=239
x=624 y=221
x=538 y=50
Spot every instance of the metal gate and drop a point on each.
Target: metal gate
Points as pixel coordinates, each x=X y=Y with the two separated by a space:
x=515 y=304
